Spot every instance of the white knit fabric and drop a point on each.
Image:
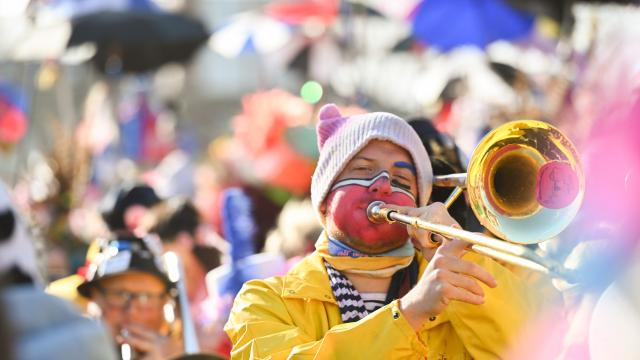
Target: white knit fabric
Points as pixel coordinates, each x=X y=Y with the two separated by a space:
x=354 y=135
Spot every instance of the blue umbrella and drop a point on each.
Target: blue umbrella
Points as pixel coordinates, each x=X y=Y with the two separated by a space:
x=73 y=8
x=447 y=24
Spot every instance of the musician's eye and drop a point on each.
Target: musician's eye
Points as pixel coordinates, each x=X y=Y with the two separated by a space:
x=404 y=177
x=406 y=185
x=362 y=169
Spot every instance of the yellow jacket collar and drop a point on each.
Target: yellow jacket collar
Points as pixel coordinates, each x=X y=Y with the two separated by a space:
x=308 y=280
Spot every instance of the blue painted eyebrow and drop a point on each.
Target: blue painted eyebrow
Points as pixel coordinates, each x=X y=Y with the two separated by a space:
x=405 y=165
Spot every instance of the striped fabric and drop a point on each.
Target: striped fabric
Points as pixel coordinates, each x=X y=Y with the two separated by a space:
x=350 y=302
x=355 y=306
x=374 y=301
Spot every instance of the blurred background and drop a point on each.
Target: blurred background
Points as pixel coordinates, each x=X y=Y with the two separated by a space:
x=195 y=98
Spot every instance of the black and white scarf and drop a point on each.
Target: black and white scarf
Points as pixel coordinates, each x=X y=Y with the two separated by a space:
x=352 y=307
x=348 y=298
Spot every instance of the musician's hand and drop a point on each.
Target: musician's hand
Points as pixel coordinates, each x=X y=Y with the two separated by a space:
x=152 y=345
x=447 y=277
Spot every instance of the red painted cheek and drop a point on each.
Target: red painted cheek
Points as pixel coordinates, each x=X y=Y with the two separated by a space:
x=346 y=213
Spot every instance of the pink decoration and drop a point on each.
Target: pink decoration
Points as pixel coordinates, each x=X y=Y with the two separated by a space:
x=283 y=167
x=260 y=133
x=265 y=116
x=330 y=120
x=13 y=123
x=302 y=12
x=557 y=185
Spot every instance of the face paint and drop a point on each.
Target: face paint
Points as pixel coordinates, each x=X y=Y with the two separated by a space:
x=406 y=165
x=395 y=186
x=346 y=217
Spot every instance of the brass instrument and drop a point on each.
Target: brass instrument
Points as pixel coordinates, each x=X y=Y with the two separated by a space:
x=175 y=273
x=525 y=185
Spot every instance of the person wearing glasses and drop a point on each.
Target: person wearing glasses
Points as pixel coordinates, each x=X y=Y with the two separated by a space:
x=128 y=290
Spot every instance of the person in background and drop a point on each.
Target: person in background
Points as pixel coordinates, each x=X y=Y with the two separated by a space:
x=35 y=325
x=126 y=206
x=122 y=210
x=176 y=223
x=296 y=231
x=446 y=158
x=371 y=289
x=129 y=291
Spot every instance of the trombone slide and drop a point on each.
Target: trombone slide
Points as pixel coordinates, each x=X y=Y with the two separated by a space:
x=482 y=244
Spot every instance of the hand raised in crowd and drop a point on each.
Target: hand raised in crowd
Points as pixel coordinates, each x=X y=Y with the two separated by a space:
x=447 y=277
x=152 y=345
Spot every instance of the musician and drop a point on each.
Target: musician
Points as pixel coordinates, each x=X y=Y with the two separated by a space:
x=127 y=284
x=373 y=291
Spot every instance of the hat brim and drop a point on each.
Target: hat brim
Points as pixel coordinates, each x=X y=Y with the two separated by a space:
x=85 y=288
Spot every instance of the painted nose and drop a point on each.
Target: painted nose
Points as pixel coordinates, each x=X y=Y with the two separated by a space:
x=382 y=186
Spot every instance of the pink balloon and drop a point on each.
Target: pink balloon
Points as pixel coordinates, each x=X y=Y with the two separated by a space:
x=13 y=123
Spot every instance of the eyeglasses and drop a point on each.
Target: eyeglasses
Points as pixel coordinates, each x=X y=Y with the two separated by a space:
x=118 y=298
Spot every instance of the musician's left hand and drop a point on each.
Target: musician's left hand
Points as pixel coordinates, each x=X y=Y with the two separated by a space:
x=153 y=345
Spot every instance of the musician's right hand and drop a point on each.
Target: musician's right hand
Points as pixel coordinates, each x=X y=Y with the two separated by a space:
x=447 y=277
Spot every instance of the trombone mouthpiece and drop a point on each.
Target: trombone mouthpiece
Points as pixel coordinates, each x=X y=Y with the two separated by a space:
x=376 y=214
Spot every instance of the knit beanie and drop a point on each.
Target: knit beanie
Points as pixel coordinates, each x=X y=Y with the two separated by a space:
x=340 y=138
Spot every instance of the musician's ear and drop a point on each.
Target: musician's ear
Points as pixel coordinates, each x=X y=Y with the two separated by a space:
x=323 y=211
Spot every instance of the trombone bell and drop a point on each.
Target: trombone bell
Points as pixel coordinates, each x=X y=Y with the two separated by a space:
x=512 y=181
x=524 y=182
x=525 y=185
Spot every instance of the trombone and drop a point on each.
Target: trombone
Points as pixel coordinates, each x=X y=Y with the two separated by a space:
x=175 y=272
x=524 y=184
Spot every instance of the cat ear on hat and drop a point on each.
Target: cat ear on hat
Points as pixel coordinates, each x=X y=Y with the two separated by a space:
x=329 y=121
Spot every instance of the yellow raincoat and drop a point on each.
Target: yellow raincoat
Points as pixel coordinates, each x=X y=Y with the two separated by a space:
x=296 y=316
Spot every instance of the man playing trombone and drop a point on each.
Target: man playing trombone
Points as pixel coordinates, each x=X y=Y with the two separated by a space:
x=371 y=290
